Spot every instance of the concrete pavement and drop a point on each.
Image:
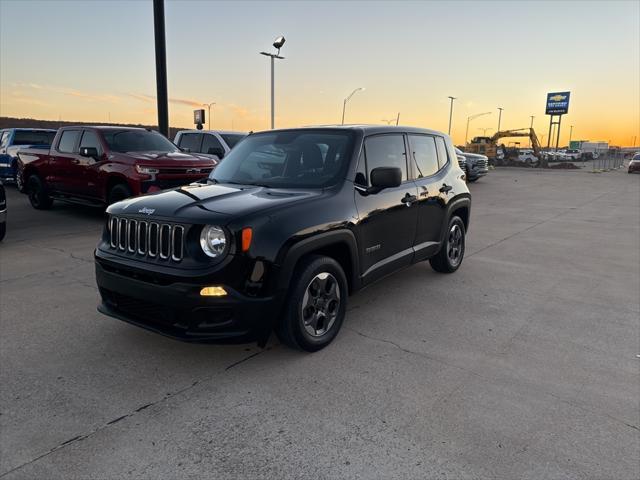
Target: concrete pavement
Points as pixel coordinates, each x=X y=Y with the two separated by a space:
x=523 y=364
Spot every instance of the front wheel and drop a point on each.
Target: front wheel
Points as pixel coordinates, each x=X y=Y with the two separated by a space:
x=450 y=256
x=118 y=192
x=38 y=196
x=316 y=305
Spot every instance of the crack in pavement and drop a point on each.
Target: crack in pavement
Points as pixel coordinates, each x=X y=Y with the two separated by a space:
x=483 y=377
x=79 y=438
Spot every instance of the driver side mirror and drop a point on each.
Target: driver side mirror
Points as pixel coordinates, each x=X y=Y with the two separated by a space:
x=385 y=177
x=89 y=152
x=217 y=151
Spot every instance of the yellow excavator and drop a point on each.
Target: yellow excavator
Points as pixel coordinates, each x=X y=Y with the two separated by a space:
x=489 y=145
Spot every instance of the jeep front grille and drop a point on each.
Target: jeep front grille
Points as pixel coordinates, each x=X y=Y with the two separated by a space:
x=149 y=239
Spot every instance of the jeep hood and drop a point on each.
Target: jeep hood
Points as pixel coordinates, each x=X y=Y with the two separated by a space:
x=196 y=201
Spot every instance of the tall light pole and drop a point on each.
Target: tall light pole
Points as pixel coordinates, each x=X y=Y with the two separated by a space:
x=570 y=134
x=499 y=117
x=344 y=104
x=161 y=67
x=531 y=127
x=472 y=117
x=209 y=105
x=450 y=112
x=278 y=43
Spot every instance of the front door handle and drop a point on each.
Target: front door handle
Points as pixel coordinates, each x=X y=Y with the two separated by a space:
x=445 y=188
x=408 y=199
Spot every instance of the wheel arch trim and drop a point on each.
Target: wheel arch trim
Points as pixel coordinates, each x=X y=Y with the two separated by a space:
x=295 y=252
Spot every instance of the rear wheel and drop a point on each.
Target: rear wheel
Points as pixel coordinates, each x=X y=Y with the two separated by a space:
x=316 y=304
x=38 y=196
x=450 y=256
x=118 y=192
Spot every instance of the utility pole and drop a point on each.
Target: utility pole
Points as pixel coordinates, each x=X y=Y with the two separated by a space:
x=499 y=117
x=278 y=43
x=570 y=134
x=397 y=119
x=209 y=105
x=161 y=67
x=450 y=113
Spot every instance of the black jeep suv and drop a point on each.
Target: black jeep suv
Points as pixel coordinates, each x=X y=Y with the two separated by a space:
x=286 y=227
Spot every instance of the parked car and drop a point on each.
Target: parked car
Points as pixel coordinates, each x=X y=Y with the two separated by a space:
x=634 y=164
x=462 y=162
x=14 y=139
x=476 y=165
x=213 y=143
x=288 y=225
x=572 y=154
x=3 y=212
x=527 y=156
x=101 y=165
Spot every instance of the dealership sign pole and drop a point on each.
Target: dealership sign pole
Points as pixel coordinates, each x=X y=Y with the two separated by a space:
x=557 y=105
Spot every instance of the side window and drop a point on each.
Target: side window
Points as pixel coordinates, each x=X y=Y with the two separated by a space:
x=90 y=139
x=211 y=145
x=190 y=141
x=443 y=157
x=386 y=151
x=424 y=155
x=4 y=139
x=68 y=141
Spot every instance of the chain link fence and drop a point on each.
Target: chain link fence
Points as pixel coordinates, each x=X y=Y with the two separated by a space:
x=611 y=160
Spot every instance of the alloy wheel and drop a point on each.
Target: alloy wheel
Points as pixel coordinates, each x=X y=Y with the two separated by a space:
x=320 y=304
x=455 y=245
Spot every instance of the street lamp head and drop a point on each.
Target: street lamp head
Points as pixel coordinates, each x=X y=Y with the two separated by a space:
x=279 y=42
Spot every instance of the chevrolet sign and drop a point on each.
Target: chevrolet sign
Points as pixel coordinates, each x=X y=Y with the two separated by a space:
x=558 y=103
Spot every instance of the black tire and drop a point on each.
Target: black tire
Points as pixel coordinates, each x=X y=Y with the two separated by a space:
x=293 y=330
x=3 y=230
x=471 y=180
x=450 y=256
x=38 y=196
x=118 y=192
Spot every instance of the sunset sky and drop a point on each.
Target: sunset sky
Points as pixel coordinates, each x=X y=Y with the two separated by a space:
x=94 y=61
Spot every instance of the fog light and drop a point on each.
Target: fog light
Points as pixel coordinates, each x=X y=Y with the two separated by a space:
x=213 y=292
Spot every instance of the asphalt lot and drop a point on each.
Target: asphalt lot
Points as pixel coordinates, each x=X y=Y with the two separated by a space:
x=523 y=364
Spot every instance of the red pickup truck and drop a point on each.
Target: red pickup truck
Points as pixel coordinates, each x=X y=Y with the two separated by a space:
x=102 y=165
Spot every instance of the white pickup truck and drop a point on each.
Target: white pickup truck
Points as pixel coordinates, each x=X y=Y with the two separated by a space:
x=212 y=143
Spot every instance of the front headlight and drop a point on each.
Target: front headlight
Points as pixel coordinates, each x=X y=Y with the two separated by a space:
x=213 y=240
x=146 y=170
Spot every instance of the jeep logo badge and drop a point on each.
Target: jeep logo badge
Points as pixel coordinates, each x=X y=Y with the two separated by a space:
x=147 y=211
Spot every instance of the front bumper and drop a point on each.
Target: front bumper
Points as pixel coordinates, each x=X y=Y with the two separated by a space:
x=178 y=311
x=7 y=170
x=634 y=168
x=475 y=173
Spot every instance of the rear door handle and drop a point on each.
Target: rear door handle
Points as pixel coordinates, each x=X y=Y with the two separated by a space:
x=408 y=199
x=445 y=188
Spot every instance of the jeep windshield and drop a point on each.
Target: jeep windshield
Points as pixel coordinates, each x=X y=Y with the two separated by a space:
x=288 y=159
x=124 y=141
